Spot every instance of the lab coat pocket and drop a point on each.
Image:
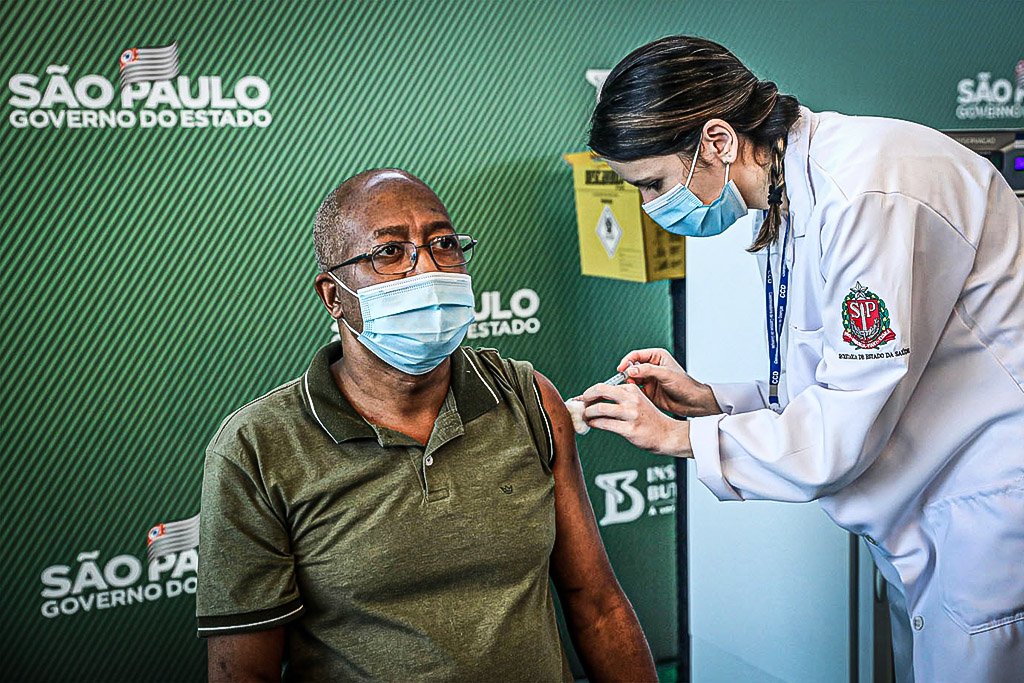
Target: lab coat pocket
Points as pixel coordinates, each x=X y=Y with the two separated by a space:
x=803 y=356
x=979 y=541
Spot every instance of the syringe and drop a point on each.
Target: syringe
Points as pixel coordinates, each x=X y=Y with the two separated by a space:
x=616 y=379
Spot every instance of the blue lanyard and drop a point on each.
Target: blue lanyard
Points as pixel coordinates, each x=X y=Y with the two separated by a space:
x=776 y=319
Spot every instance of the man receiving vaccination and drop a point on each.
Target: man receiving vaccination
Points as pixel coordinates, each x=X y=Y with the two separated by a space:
x=396 y=512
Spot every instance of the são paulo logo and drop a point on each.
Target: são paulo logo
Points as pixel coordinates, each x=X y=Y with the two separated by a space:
x=985 y=97
x=865 y=319
x=493 y=319
x=92 y=583
x=150 y=92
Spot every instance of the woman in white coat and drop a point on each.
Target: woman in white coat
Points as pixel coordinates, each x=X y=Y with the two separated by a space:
x=894 y=286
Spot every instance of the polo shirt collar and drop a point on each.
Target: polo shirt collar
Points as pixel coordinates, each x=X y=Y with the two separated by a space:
x=327 y=404
x=472 y=393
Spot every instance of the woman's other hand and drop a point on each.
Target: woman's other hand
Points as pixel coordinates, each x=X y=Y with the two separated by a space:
x=667 y=385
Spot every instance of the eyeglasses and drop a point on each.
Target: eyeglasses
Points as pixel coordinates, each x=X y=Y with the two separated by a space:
x=395 y=258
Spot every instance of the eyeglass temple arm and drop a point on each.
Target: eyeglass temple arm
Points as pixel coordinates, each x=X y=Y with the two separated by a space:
x=354 y=259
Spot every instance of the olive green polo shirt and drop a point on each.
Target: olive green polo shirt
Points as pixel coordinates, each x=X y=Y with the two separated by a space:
x=384 y=559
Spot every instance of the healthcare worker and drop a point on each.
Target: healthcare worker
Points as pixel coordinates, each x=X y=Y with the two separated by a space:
x=893 y=262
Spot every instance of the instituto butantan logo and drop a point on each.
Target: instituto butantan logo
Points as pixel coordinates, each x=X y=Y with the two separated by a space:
x=865 y=319
x=624 y=502
x=124 y=580
x=150 y=92
x=987 y=98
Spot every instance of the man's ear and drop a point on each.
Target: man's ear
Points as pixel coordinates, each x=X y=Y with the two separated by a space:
x=720 y=141
x=329 y=292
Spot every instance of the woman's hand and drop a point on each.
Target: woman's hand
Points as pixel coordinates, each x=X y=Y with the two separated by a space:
x=668 y=386
x=626 y=411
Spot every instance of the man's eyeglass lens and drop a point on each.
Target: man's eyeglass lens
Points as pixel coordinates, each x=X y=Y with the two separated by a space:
x=448 y=251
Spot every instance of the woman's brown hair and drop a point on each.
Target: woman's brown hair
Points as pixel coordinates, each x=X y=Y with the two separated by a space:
x=656 y=101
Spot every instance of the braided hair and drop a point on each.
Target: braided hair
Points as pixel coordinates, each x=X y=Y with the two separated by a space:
x=656 y=101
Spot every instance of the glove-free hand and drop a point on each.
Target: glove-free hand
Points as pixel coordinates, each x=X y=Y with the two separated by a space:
x=667 y=385
x=628 y=412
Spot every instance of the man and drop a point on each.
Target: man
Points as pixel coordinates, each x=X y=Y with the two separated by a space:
x=397 y=511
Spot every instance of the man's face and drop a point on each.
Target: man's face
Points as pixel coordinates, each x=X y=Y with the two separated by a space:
x=396 y=209
x=393 y=209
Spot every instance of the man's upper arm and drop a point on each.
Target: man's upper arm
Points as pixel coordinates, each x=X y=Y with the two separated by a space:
x=246 y=656
x=602 y=624
x=246 y=578
x=578 y=560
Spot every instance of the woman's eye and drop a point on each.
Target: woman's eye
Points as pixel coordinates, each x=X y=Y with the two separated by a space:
x=654 y=187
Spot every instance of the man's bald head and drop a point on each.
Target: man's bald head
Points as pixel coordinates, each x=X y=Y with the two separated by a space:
x=343 y=214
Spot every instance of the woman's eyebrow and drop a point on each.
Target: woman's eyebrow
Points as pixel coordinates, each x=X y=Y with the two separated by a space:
x=642 y=181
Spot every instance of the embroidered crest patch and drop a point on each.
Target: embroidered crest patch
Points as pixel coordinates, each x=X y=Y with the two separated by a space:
x=865 y=319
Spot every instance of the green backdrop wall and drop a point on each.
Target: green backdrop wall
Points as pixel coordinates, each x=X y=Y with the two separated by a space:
x=157 y=274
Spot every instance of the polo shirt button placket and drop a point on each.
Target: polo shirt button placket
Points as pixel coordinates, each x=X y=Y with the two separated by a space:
x=435 y=482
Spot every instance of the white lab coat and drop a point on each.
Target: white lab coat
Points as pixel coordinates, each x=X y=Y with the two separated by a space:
x=918 y=443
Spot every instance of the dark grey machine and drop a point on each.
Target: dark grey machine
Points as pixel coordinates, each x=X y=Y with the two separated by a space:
x=1003 y=147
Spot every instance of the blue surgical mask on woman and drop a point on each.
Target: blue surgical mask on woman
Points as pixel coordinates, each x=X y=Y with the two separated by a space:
x=414 y=323
x=680 y=212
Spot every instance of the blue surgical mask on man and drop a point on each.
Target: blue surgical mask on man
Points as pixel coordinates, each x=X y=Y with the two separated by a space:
x=414 y=323
x=680 y=212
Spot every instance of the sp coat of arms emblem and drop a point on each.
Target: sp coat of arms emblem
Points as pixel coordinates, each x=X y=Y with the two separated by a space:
x=865 y=319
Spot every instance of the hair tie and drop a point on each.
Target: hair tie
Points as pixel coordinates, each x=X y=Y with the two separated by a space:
x=775 y=194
